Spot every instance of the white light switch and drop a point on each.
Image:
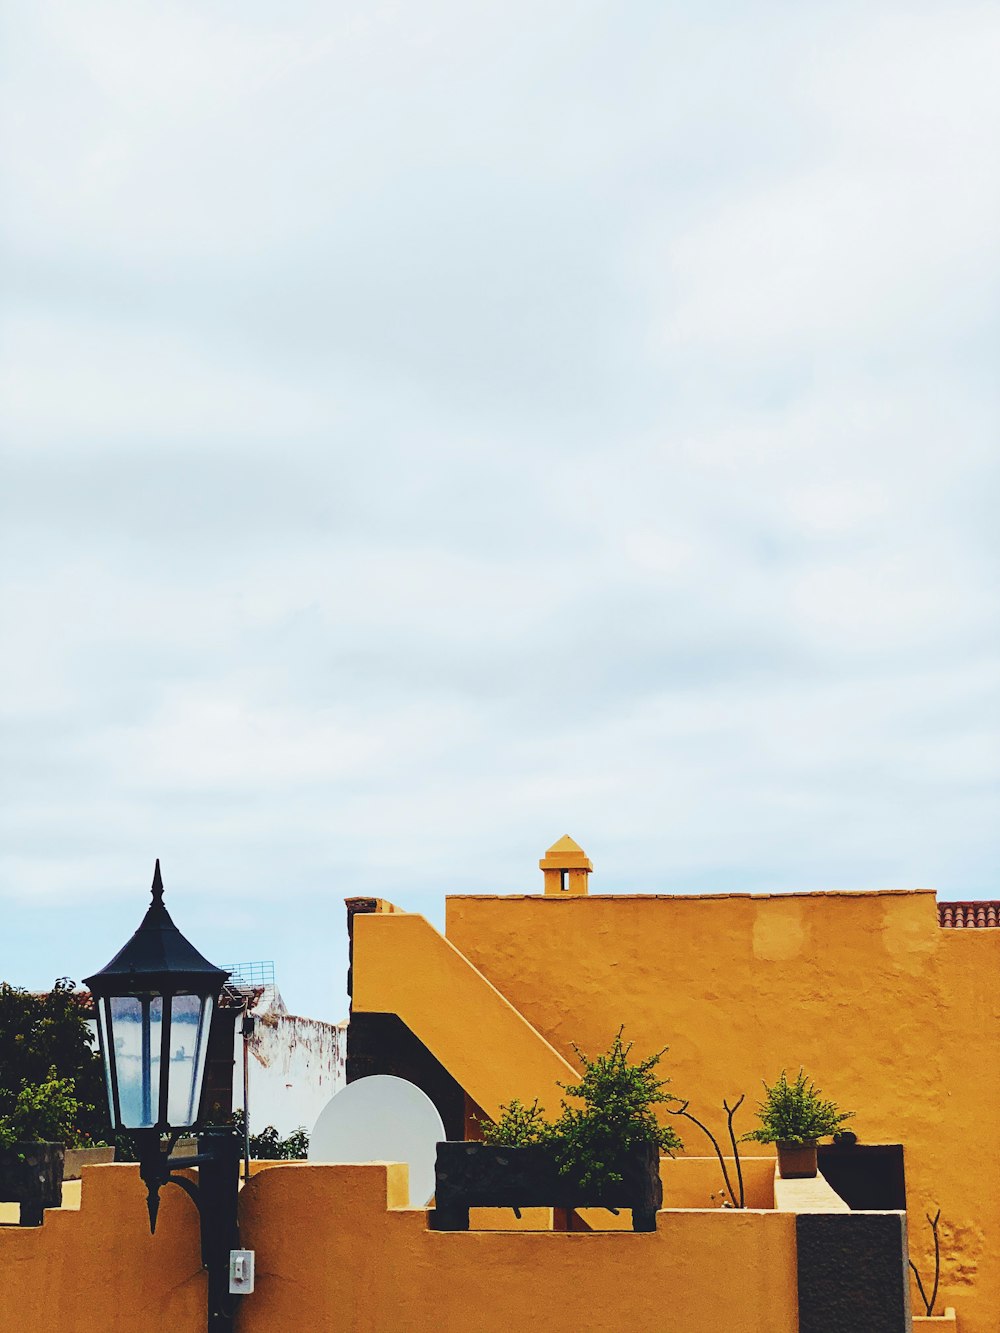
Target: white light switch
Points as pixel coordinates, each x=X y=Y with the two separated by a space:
x=240 y=1272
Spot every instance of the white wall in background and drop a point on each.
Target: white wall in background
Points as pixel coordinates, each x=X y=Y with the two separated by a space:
x=295 y=1067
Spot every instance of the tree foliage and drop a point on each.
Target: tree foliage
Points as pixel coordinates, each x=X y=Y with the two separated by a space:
x=45 y=1044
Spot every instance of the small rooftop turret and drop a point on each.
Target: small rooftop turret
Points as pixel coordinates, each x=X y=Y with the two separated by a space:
x=566 y=867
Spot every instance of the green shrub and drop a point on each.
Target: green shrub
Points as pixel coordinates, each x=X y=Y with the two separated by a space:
x=269 y=1146
x=519 y=1126
x=613 y=1115
x=43 y=1112
x=795 y=1113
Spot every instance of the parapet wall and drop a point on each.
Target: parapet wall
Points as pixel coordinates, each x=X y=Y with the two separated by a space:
x=339 y=1249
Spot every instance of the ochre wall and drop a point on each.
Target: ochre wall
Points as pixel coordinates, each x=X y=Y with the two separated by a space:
x=97 y=1269
x=337 y=1250
x=403 y=966
x=894 y=1016
x=389 y=1274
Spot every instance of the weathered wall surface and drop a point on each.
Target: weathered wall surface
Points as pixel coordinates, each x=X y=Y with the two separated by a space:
x=894 y=1016
x=338 y=1250
x=296 y=1065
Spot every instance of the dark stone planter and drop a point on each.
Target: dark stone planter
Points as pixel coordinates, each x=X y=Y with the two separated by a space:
x=488 y=1175
x=31 y=1174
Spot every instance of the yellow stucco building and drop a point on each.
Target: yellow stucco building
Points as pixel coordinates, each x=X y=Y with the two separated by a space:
x=888 y=999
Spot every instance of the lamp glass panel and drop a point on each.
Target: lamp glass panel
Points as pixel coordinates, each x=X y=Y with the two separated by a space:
x=136 y=1024
x=106 y=1049
x=190 y=1019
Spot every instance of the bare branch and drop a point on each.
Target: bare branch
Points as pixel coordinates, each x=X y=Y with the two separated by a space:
x=683 y=1111
x=929 y=1304
x=730 y=1112
x=937 y=1258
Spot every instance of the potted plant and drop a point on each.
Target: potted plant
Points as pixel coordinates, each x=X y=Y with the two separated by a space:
x=602 y=1151
x=33 y=1135
x=793 y=1116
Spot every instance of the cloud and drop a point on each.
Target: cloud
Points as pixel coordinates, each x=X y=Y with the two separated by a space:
x=432 y=430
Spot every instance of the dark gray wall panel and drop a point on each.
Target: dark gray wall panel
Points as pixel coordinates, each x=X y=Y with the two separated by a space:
x=852 y=1273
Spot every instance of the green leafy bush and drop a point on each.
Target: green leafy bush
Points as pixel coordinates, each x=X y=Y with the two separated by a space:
x=616 y=1115
x=45 y=1112
x=795 y=1113
x=519 y=1126
x=269 y=1146
x=613 y=1115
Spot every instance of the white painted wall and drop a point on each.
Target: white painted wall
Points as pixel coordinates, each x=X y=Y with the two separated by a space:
x=295 y=1067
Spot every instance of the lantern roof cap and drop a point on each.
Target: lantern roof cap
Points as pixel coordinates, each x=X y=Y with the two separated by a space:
x=158 y=956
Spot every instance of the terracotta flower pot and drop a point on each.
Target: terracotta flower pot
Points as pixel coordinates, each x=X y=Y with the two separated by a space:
x=797 y=1161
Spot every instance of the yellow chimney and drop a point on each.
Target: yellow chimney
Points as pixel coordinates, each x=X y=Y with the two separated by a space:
x=566 y=867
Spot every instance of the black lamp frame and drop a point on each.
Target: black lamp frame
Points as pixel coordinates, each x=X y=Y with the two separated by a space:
x=159 y=961
x=215 y=1196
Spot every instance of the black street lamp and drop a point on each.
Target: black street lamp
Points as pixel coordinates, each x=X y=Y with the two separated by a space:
x=154 y=1002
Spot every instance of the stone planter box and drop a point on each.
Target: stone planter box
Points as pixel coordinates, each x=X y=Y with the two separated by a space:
x=488 y=1175
x=31 y=1174
x=185 y=1147
x=78 y=1158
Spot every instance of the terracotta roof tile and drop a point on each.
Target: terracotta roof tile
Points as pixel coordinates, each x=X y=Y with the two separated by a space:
x=976 y=915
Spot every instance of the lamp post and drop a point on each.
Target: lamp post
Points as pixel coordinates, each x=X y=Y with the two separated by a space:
x=154 y=1003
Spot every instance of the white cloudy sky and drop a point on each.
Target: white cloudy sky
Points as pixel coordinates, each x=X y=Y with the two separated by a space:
x=433 y=428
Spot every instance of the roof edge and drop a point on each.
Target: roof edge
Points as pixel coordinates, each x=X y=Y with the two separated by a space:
x=701 y=897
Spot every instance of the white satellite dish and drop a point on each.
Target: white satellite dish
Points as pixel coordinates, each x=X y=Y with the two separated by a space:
x=381 y=1119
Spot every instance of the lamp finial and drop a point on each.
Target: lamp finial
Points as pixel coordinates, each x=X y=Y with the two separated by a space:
x=152 y=1205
